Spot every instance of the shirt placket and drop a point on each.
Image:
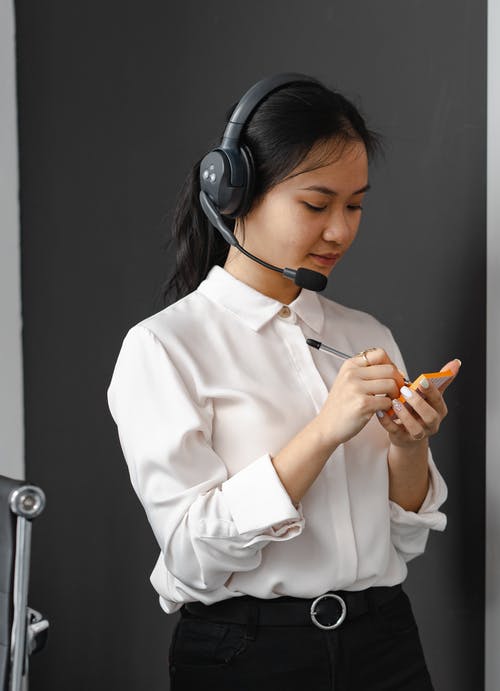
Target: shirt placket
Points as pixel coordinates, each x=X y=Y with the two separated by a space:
x=334 y=470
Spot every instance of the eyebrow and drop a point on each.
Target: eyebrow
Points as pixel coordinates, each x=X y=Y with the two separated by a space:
x=327 y=190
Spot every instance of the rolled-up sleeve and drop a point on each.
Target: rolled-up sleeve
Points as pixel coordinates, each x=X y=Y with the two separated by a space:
x=410 y=529
x=207 y=525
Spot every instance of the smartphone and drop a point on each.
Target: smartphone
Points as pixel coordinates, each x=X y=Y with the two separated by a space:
x=437 y=378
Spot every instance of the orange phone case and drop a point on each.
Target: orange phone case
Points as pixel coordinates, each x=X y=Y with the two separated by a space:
x=437 y=378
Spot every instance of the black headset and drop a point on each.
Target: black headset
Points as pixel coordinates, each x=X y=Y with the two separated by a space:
x=227 y=175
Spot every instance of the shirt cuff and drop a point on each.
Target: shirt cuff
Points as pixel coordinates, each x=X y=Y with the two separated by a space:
x=428 y=515
x=258 y=500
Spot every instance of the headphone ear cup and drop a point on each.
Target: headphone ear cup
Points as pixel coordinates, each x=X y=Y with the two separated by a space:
x=248 y=166
x=215 y=176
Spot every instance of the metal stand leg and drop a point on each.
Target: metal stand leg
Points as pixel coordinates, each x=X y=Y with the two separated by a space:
x=27 y=502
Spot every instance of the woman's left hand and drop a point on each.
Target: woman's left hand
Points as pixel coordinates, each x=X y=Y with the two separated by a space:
x=422 y=416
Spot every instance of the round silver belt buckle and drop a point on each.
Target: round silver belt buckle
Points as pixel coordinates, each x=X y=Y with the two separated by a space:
x=341 y=618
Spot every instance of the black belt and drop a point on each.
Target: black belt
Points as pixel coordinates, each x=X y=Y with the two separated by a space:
x=326 y=611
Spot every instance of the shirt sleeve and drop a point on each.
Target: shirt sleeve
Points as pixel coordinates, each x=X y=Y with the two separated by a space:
x=206 y=524
x=410 y=529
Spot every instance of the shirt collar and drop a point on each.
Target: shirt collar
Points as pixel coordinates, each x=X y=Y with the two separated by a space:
x=254 y=308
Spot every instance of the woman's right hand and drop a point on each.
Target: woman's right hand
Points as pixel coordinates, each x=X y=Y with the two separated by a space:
x=352 y=399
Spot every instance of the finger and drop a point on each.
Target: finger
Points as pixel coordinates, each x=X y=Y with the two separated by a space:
x=431 y=393
x=413 y=426
x=428 y=415
x=384 y=371
x=454 y=366
x=371 y=356
x=379 y=403
x=380 y=387
x=389 y=424
x=424 y=410
x=381 y=371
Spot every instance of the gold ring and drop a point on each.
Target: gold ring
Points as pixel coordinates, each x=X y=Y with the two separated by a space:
x=363 y=354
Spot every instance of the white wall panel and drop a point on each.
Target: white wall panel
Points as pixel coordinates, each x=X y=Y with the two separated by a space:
x=11 y=392
x=492 y=641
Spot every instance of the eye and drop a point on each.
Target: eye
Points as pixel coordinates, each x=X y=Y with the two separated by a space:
x=315 y=208
x=355 y=207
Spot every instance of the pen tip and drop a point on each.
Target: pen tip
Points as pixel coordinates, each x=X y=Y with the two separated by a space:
x=313 y=343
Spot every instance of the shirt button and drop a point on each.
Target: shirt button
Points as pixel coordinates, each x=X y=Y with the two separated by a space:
x=284 y=312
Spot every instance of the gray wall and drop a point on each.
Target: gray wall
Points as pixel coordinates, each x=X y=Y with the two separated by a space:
x=115 y=105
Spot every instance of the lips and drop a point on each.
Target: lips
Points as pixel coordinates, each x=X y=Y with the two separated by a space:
x=325 y=259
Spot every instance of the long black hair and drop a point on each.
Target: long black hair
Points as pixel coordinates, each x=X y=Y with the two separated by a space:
x=280 y=133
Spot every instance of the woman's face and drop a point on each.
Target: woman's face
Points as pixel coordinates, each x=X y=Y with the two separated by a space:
x=308 y=220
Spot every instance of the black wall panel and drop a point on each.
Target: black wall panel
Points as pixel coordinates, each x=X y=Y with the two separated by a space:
x=116 y=101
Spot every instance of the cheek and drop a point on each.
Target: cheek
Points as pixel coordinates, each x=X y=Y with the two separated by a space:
x=283 y=222
x=287 y=224
x=298 y=228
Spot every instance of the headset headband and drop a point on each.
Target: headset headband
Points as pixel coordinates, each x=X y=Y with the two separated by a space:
x=251 y=99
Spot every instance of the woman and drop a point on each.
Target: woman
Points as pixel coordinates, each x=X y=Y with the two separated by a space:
x=286 y=501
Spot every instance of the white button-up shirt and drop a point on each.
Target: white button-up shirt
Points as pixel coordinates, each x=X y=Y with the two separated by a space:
x=204 y=393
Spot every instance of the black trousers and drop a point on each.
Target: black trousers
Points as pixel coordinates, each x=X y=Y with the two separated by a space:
x=380 y=650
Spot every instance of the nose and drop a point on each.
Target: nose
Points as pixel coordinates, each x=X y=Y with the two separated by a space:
x=340 y=228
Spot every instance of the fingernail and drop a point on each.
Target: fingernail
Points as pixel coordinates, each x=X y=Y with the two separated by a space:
x=424 y=383
x=396 y=405
x=380 y=414
x=406 y=392
x=459 y=362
